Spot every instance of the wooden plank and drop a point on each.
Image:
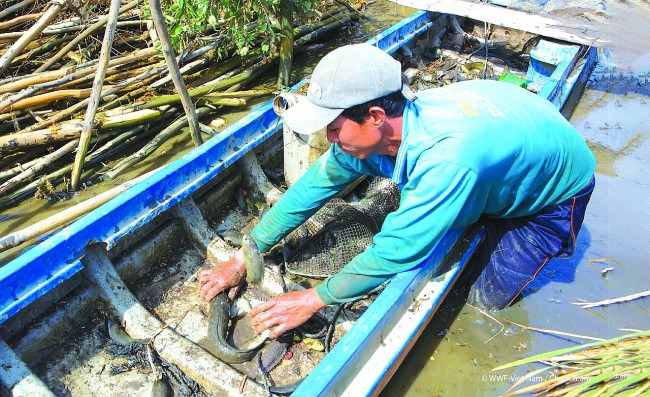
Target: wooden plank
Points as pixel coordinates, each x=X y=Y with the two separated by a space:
x=581 y=32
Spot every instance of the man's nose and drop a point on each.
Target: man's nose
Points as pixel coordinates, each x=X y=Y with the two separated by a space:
x=332 y=137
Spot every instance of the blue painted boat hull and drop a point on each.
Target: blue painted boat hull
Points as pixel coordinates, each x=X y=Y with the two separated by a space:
x=556 y=69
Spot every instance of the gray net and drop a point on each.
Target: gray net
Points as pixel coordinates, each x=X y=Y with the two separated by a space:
x=339 y=231
x=382 y=198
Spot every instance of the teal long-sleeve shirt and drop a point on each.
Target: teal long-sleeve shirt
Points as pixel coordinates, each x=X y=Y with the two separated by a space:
x=468 y=149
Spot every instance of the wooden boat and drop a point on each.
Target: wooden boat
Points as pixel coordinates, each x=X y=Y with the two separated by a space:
x=53 y=289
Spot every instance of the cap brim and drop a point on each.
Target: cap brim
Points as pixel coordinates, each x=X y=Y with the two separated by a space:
x=308 y=118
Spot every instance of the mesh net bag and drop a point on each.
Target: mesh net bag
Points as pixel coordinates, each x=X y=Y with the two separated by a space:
x=382 y=198
x=339 y=231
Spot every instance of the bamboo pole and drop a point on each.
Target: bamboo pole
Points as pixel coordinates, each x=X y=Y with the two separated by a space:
x=63 y=132
x=65 y=216
x=246 y=75
x=49 y=31
x=48 y=46
x=188 y=68
x=41 y=164
x=40 y=78
x=20 y=19
x=150 y=147
x=115 y=73
x=174 y=72
x=15 y=7
x=142 y=78
x=19 y=157
x=223 y=68
x=318 y=33
x=326 y=19
x=239 y=94
x=86 y=129
x=127 y=97
x=222 y=73
x=72 y=129
x=114 y=145
x=102 y=21
x=135 y=56
x=215 y=101
x=17 y=169
x=134 y=118
x=47 y=98
x=32 y=33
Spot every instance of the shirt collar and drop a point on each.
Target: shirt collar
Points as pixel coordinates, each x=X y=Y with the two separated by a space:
x=399 y=174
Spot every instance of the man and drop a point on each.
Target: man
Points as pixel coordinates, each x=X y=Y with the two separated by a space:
x=475 y=151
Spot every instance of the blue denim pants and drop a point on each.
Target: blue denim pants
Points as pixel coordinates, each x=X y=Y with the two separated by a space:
x=514 y=250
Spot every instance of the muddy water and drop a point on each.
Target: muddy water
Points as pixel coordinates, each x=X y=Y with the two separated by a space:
x=456 y=353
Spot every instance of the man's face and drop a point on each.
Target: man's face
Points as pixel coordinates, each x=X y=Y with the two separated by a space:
x=358 y=140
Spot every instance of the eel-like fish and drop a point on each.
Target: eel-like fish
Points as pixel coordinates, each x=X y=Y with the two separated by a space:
x=253 y=260
x=216 y=343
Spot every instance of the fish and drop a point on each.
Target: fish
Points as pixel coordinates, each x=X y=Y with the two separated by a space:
x=277 y=178
x=161 y=388
x=216 y=341
x=258 y=357
x=271 y=356
x=253 y=260
x=232 y=237
x=240 y=199
x=258 y=340
x=240 y=307
x=119 y=336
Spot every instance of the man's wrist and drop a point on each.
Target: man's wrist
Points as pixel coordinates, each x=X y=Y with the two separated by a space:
x=239 y=264
x=315 y=300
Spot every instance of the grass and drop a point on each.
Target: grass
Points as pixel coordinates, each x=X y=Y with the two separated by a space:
x=617 y=366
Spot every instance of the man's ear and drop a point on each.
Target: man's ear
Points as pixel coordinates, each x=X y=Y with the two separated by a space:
x=378 y=115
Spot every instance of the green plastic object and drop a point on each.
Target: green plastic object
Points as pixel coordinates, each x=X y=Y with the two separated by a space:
x=512 y=79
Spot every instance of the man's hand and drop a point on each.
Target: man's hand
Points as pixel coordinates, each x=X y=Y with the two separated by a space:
x=286 y=311
x=216 y=279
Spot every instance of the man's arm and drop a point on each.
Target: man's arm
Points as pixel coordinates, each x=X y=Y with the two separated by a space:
x=328 y=176
x=436 y=198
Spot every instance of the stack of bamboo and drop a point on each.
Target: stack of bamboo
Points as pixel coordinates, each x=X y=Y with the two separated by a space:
x=59 y=82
